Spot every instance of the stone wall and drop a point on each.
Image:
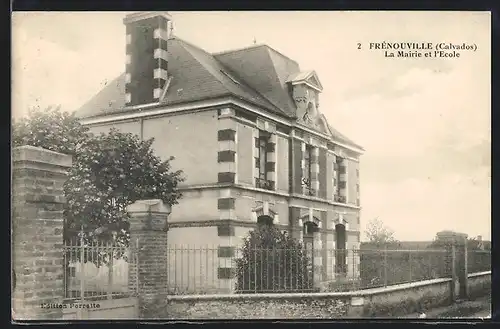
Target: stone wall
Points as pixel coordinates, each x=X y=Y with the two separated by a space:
x=479 y=284
x=255 y=306
x=403 y=299
x=394 y=301
x=37 y=231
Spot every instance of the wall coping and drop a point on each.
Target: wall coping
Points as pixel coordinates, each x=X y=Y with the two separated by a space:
x=398 y=287
x=28 y=153
x=476 y=274
x=317 y=295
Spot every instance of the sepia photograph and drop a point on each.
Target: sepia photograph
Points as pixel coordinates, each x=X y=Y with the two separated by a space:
x=222 y=165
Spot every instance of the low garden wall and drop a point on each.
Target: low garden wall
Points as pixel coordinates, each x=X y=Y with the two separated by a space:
x=393 y=301
x=479 y=284
x=381 y=302
x=408 y=298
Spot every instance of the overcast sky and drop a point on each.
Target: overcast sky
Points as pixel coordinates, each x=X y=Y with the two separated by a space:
x=425 y=123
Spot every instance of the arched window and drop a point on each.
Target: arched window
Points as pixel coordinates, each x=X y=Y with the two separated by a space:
x=264 y=220
x=341 y=253
x=310 y=228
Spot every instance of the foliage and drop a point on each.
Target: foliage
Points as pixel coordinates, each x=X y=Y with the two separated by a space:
x=343 y=285
x=473 y=244
x=115 y=170
x=378 y=233
x=109 y=172
x=51 y=129
x=272 y=261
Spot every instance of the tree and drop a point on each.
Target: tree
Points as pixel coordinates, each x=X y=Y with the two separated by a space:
x=272 y=261
x=51 y=129
x=378 y=233
x=473 y=243
x=114 y=171
x=109 y=172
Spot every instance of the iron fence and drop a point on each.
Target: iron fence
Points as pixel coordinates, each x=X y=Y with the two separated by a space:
x=380 y=268
x=101 y=270
x=96 y=270
x=478 y=261
x=198 y=270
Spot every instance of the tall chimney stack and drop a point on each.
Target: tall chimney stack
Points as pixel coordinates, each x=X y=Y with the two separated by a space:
x=146 y=70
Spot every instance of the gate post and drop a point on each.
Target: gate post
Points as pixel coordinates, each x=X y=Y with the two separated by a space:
x=456 y=245
x=148 y=277
x=37 y=232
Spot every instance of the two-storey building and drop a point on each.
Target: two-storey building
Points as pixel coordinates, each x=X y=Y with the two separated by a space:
x=246 y=128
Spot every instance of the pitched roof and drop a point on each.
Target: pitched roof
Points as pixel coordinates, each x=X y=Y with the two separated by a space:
x=257 y=74
x=196 y=75
x=265 y=70
x=338 y=136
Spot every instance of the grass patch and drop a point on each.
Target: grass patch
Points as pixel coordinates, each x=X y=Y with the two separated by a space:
x=461 y=312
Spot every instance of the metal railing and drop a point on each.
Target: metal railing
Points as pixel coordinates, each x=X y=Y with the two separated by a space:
x=381 y=268
x=264 y=184
x=96 y=270
x=339 y=198
x=200 y=270
x=478 y=261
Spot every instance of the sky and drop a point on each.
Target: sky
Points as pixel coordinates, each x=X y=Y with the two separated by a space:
x=424 y=122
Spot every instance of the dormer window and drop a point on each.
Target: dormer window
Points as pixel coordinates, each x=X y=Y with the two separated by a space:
x=305 y=89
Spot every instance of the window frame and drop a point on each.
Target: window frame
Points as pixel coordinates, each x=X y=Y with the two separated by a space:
x=263 y=141
x=308 y=166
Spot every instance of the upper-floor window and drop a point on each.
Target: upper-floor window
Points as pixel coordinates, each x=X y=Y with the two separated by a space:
x=263 y=157
x=339 y=183
x=263 y=146
x=306 y=179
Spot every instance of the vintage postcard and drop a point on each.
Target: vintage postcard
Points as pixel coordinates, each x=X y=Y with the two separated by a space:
x=251 y=165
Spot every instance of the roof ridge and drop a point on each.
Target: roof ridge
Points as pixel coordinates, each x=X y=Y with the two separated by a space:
x=237 y=49
x=251 y=47
x=190 y=44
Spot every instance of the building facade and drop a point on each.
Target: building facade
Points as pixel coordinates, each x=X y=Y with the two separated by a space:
x=245 y=127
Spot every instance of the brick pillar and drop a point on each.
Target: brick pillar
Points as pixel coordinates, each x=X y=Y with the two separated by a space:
x=37 y=232
x=148 y=276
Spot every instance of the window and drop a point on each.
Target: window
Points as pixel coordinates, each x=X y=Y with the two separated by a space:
x=262 y=157
x=334 y=179
x=339 y=184
x=306 y=180
x=263 y=146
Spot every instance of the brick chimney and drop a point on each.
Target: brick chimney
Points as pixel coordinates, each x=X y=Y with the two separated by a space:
x=146 y=70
